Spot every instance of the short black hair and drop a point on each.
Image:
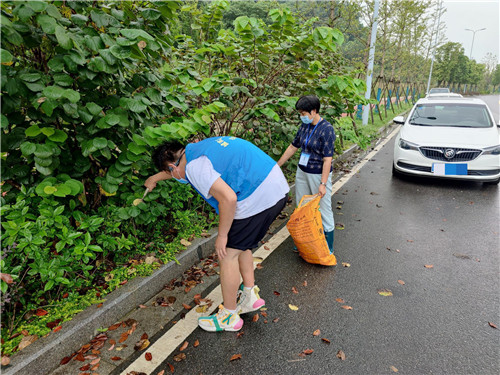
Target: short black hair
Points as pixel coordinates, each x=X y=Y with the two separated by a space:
x=166 y=153
x=307 y=103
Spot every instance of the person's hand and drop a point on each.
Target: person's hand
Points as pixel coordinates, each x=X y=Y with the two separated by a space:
x=150 y=183
x=322 y=190
x=220 y=246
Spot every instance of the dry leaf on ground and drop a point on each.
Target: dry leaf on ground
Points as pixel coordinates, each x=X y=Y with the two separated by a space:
x=401 y=282
x=384 y=292
x=235 y=357
x=493 y=325
x=346 y=307
x=394 y=369
x=184 y=346
x=341 y=355
x=5 y=360
x=255 y=318
x=325 y=340
x=293 y=307
x=340 y=300
x=185 y=242
x=308 y=351
x=294 y=289
x=316 y=333
x=346 y=264
x=429 y=266
x=196 y=343
x=179 y=357
x=148 y=356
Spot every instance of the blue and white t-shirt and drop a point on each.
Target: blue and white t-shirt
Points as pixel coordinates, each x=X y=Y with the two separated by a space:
x=255 y=177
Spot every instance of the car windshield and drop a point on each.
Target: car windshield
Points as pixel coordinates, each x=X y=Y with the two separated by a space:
x=439 y=90
x=451 y=114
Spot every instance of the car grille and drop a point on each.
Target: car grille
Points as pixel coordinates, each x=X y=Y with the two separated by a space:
x=461 y=154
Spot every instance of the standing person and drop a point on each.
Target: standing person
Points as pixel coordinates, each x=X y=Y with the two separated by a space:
x=248 y=190
x=316 y=139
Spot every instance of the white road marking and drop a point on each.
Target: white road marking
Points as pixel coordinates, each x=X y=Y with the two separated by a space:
x=175 y=336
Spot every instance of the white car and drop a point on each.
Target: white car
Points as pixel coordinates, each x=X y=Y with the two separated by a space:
x=448 y=137
x=439 y=90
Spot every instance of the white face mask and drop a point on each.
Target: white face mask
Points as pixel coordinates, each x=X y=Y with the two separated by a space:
x=306 y=119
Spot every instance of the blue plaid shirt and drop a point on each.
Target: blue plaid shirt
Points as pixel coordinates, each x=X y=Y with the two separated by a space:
x=320 y=145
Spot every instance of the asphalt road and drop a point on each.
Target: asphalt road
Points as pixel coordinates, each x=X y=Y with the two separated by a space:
x=436 y=323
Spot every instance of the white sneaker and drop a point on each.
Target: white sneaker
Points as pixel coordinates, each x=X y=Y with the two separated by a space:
x=249 y=300
x=222 y=321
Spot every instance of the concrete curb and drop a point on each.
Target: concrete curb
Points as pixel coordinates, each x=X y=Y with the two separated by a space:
x=43 y=355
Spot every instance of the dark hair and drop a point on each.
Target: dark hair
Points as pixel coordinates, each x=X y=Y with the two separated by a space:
x=307 y=103
x=165 y=154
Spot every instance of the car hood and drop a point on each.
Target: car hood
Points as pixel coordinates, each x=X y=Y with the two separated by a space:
x=450 y=136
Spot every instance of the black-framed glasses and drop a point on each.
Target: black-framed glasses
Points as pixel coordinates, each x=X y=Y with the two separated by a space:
x=177 y=162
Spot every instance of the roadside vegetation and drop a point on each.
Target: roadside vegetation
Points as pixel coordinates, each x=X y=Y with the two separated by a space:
x=88 y=89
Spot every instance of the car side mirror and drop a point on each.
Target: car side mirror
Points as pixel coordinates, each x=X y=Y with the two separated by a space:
x=399 y=120
x=498 y=124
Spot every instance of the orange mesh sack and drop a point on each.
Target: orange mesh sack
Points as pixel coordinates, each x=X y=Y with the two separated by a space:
x=306 y=228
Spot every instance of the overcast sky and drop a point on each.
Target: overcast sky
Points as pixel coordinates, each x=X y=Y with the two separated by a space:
x=474 y=14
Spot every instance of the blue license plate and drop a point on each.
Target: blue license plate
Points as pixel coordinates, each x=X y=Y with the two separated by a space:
x=442 y=169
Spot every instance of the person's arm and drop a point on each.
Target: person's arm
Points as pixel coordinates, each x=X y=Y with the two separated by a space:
x=327 y=164
x=152 y=180
x=227 y=199
x=287 y=154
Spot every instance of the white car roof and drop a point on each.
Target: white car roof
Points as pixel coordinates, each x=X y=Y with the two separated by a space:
x=444 y=95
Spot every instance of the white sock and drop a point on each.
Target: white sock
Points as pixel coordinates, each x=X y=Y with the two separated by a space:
x=231 y=311
x=247 y=288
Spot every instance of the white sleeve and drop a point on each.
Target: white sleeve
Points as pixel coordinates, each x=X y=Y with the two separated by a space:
x=202 y=175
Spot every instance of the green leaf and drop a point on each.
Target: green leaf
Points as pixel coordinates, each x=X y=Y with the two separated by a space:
x=48 y=106
x=112 y=119
x=100 y=142
x=28 y=148
x=270 y=113
x=25 y=12
x=136 y=33
x=35 y=87
x=47 y=131
x=30 y=77
x=132 y=104
x=5 y=56
x=32 y=131
x=53 y=92
x=137 y=150
x=58 y=136
x=44 y=151
x=97 y=64
x=37 y=6
x=49 y=285
x=75 y=186
x=72 y=95
x=47 y=23
x=62 y=190
x=49 y=189
x=56 y=64
x=121 y=52
x=93 y=108
x=63 y=38
x=150 y=13
x=63 y=79
x=53 y=11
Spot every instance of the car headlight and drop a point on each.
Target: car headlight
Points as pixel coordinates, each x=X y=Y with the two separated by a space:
x=495 y=150
x=405 y=145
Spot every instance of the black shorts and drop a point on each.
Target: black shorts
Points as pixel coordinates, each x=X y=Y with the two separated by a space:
x=246 y=233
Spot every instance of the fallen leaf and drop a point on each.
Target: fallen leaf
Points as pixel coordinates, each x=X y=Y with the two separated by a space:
x=394 y=369
x=339 y=226
x=293 y=307
x=179 y=357
x=239 y=334
x=141 y=344
x=346 y=264
x=275 y=320
x=171 y=299
x=201 y=309
x=144 y=336
x=325 y=340
x=346 y=307
x=123 y=337
x=27 y=340
x=121 y=347
x=409 y=240
x=255 y=318
x=266 y=248
x=258 y=259
x=429 y=266
x=185 y=242
x=85 y=367
x=161 y=372
x=384 y=292
x=197 y=296
x=116 y=358
x=187 y=307
x=41 y=312
x=64 y=361
x=493 y=325
x=196 y=343
x=294 y=289
x=114 y=326
x=58 y=328
x=8 y=279
x=304 y=283
x=316 y=333
x=401 y=282
x=148 y=356
x=308 y=351
x=171 y=367
x=99 y=305
x=277 y=293
x=5 y=359
x=235 y=357
x=112 y=341
x=184 y=346
x=111 y=347
x=95 y=367
x=259 y=266
x=95 y=361
x=341 y=355
x=340 y=300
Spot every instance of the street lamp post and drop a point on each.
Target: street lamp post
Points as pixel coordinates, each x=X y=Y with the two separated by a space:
x=473 y=36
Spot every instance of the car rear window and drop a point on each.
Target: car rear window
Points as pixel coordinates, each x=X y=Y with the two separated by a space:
x=451 y=114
